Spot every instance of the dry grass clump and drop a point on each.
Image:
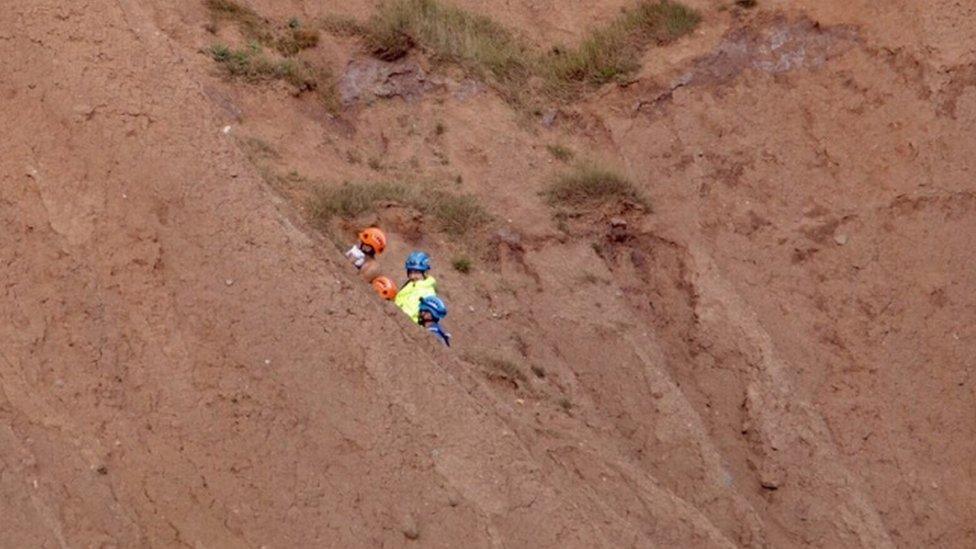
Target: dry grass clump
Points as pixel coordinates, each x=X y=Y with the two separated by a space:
x=252 y=26
x=252 y=65
x=614 y=50
x=296 y=40
x=341 y=25
x=588 y=183
x=560 y=152
x=449 y=34
x=499 y=366
x=455 y=214
x=461 y=264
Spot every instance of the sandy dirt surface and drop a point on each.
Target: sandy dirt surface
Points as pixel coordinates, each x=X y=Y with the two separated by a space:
x=779 y=354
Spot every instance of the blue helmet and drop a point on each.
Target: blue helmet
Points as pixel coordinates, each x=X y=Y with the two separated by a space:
x=433 y=305
x=418 y=261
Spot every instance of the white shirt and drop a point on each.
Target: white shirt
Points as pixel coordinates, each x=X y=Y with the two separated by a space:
x=357 y=256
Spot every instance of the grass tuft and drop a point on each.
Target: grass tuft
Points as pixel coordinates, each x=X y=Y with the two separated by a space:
x=252 y=25
x=588 y=183
x=448 y=34
x=296 y=40
x=455 y=214
x=614 y=51
x=340 y=25
x=250 y=64
x=559 y=152
x=354 y=199
x=462 y=265
x=491 y=52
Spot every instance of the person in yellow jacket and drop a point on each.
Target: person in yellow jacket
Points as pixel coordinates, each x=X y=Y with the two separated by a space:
x=418 y=286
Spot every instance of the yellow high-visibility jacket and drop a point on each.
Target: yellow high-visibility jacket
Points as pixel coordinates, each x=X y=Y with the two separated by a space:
x=409 y=296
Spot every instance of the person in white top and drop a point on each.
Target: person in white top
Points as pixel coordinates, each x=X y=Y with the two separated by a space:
x=362 y=255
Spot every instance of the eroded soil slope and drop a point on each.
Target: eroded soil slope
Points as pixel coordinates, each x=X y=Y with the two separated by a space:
x=778 y=353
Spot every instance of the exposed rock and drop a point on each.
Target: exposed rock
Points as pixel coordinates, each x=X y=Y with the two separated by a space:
x=367 y=79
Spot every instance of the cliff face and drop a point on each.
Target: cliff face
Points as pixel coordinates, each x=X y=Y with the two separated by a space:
x=779 y=352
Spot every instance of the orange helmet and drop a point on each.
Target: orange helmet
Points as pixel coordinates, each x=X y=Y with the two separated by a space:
x=385 y=287
x=374 y=238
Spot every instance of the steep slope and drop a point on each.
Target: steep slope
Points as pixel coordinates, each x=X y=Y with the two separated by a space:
x=180 y=365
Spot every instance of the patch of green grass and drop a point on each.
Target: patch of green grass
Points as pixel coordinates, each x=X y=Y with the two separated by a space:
x=461 y=264
x=589 y=183
x=449 y=34
x=252 y=65
x=614 y=50
x=451 y=213
x=559 y=152
x=260 y=30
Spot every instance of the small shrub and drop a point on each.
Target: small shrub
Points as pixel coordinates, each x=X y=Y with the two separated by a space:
x=588 y=183
x=565 y=404
x=539 y=371
x=462 y=265
x=560 y=152
x=439 y=129
x=374 y=164
x=746 y=3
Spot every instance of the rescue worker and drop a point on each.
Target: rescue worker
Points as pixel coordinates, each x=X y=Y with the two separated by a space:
x=385 y=287
x=432 y=311
x=362 y=255
x=418 y=285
